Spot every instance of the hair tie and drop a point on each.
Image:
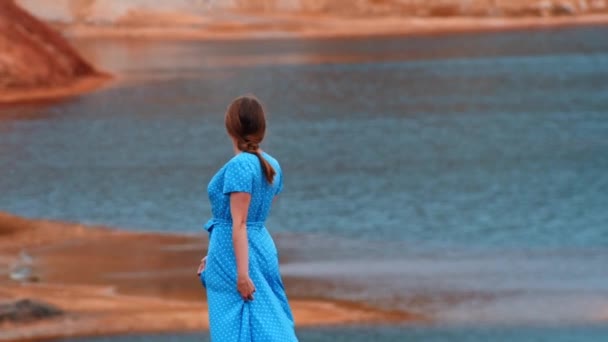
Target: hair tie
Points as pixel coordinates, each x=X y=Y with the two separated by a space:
x=252 y=147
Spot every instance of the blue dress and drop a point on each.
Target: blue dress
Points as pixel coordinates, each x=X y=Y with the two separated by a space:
x=268 y=317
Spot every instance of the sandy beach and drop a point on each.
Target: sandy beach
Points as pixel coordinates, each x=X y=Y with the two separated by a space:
x=113 y=282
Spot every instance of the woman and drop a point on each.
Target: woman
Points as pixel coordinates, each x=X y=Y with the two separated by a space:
x=245 y=293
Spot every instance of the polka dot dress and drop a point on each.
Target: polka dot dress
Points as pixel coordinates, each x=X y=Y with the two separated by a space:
x=268 y=317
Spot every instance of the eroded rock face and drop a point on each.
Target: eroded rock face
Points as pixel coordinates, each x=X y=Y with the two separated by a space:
x=34 y=56
x=109 y=11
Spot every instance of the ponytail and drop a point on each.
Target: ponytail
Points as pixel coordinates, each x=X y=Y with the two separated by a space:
x=269 y=172
x=246 y=123
x=253 y=148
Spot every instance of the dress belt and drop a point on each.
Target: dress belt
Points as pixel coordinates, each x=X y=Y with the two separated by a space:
x=219 y=222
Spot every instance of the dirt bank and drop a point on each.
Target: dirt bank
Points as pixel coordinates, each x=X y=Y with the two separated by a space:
x=36 y=62
x=268 y=26
x=197 y=20
x=113 y=282
x=118 y=11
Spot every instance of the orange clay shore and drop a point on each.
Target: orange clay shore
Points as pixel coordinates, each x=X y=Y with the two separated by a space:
x=266 y=26
x=76 y=87
x=116 y=282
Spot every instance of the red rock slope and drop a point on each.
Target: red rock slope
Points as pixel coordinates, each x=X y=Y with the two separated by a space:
x=36 y=61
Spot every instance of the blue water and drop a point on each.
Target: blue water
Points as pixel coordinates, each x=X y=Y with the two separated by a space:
x=409 y=334
x=465 y=176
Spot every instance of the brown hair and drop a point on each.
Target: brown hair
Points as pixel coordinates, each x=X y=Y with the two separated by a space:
x=246 y=123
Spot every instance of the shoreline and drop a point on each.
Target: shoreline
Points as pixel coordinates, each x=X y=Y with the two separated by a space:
x=80 y=86
x=111 y=282
x=292 y=26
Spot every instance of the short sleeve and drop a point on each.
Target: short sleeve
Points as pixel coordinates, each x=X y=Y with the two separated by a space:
x=280 y=184
x=238 y=177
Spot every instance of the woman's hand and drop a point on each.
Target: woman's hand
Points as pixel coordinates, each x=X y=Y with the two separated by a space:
x=245 y=287
x=201 y=267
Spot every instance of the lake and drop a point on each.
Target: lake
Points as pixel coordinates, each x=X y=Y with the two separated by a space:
x=465 y=177
x=410 y=334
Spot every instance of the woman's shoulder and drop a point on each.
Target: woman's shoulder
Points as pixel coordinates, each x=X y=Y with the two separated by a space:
x=241 y=160
x=272 y=160
x=245 y=159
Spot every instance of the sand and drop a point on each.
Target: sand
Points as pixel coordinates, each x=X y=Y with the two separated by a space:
x=114 y=282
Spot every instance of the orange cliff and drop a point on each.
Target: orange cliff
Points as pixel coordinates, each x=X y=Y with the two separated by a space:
x=36 y=62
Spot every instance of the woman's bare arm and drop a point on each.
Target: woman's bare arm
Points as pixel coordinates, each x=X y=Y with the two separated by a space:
x=239 y=207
